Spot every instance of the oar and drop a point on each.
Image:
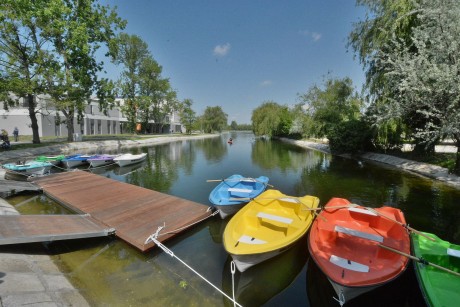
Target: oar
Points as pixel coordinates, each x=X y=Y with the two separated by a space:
x=421 y=260
x=397 y=222
x=240 y=179
x=282 y=198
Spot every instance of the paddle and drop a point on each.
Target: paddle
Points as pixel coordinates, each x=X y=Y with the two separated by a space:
x=296 y=199
x=421 y=260
x=240 y=179
x=382 y=215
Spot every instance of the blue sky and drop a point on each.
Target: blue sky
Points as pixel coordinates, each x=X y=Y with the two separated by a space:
x=238 y=54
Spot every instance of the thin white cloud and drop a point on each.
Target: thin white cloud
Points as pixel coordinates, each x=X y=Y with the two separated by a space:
x=266 y=83
x=222 y=50
x=315 y=36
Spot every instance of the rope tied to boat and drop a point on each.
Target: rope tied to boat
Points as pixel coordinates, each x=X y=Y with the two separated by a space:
x=423 y=261
x=153 y=237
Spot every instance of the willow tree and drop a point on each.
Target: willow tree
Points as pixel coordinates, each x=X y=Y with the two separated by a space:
x=426 y=82
x=383 y=21
x=271 y=119
x=214 y=119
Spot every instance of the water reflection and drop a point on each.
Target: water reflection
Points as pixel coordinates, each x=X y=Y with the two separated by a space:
x=111 y=273
x=262 y=282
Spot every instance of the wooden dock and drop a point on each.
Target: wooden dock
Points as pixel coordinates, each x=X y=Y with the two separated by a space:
x=134 y=212
x=15 y=229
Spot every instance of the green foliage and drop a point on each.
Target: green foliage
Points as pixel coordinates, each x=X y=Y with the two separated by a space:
x=214 y=119
x=329 y=106
x=187 y=115
x=233 y=125
x=350 y=137
x=271 y=119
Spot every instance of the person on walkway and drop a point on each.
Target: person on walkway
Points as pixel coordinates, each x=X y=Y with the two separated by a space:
x=16 y=134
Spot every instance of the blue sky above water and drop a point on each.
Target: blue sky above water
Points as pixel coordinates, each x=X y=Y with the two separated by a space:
x=239 y=54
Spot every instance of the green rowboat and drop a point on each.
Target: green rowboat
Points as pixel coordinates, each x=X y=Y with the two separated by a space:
x=55 y=160
x=437 y=269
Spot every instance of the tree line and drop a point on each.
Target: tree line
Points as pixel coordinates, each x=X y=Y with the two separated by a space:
x=49 y=47
x=409 y=50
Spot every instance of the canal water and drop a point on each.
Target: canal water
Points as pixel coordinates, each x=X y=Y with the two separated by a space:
x=109 y=272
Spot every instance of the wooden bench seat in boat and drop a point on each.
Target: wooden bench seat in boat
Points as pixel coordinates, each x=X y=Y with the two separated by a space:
x=359 y=234
x=240 y=190
x=348 y=264
x=250 y=240
x=276 y=218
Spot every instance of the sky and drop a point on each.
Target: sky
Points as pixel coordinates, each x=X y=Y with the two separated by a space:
x=239 y=54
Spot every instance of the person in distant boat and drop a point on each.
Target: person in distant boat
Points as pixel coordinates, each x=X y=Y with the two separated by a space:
x=230 y=140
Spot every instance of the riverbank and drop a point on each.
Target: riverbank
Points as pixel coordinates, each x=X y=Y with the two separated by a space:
x=30 y=277
x=427 y=170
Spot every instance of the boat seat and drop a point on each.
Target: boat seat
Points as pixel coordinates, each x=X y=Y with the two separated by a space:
x=348 y=264
x=359 y=234
x=250 y=240
x=239 y=190
x=276 y=218
x=453 y=252
x=362 y=210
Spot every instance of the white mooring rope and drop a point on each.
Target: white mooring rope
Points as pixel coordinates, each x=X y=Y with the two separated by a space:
x=153 y=237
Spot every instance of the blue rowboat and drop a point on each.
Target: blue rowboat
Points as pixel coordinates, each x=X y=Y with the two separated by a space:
x=75 y=160
x=29 y=168
x=233 y=193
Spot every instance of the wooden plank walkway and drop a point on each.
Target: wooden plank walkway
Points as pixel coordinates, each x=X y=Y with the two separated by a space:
x=134 y=212
x=15 y=229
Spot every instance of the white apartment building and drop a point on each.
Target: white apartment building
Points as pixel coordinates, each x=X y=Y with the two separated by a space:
x=94 y=121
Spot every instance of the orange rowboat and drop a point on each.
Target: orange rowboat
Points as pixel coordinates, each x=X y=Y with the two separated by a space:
x=348 y=244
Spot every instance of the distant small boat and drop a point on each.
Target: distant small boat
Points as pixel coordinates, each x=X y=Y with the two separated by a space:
x=439 y=287
x=101 y=160
x=128 y=159
x=350 y=244
x=267 y=226
x=55 y=160
x=225 y=196
x=29 y=168
x=75 y=160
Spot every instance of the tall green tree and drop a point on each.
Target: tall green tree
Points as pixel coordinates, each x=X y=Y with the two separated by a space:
x=76 y=31
x=131 y=52
x=214 y=119
x=271 y=119
x=426 y=82
x=23 y=55
x=335 y=102
x=187 y=115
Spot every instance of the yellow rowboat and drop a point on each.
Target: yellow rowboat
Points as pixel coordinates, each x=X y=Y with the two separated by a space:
x=267 y=226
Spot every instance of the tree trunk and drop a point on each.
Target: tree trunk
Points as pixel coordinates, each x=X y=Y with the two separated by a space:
x=33 y=119
x=69 y=123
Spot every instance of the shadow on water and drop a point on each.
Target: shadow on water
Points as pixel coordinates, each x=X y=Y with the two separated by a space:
x=401 y=292
x=262 y=282
x=110 y=272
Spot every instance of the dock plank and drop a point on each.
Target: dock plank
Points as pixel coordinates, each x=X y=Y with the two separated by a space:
x=134 y=212
x=15 y=229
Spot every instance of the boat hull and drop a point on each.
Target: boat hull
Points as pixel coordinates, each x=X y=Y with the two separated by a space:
x=346 y=246
x=267 y=226
x=439 y=288
x=101 y=160
x=29 y=168
x=75 y=160
x=225 y=196
x=129 y=159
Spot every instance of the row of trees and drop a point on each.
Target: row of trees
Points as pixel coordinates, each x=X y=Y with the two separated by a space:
x=48 y=47
x=409 y=50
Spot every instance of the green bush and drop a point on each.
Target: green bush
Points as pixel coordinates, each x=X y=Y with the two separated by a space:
x=350 y=137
